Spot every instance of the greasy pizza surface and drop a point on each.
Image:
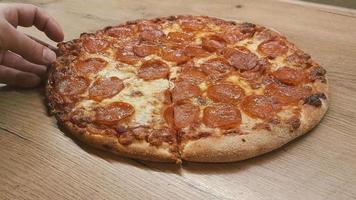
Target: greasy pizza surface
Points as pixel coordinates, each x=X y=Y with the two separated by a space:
x=196 y=88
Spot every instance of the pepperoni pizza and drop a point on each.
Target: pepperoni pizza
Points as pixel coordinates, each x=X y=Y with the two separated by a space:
x=186 y=88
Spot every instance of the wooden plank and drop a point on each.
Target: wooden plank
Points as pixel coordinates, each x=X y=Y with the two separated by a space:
x=38 y=161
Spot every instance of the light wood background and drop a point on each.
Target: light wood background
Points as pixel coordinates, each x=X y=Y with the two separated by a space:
x=38 y=161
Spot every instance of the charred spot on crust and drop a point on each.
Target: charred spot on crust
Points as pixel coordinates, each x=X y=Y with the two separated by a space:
x=132 y=22
x=172 y=18
x=243 y=140
x=314 y=99
x=318 y=73
x=232 y=22
x=238 y=6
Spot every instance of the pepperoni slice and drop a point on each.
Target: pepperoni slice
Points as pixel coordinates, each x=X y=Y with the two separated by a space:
x=127 y=56
x=216 y=67
x=105 y=88
x=287 y=94
x=273 y=48
x=72 y=86
x=195 y=51
x=119 y=32
x=113 y=113
x=144 y=50
x=261 y=106
x=225 y=93
x=189 y=25
x=183 y=91
x=168 y=116
x=213 y=43
x=145 y=25
x=192 y=76
x=94 y=45
x=221 y=115
x=232 y=36
x=174 y=55
x=180 y=37
x=241 y=58
x=185 y=115
x=153 y=69
x=151 y=35
x=289 y=75
x=89 y=66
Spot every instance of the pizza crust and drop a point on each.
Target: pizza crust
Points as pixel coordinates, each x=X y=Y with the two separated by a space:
x=141 y=150
x=229 y=148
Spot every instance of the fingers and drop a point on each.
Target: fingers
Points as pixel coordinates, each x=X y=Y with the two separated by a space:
x=12 y=60
x=14 y=77
x=43 y=43
x=19 y=43
x=28 y=15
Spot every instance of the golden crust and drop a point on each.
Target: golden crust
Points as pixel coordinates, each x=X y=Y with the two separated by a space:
x=138 y=149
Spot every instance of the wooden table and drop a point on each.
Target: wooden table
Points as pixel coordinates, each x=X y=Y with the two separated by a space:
x=38 y=161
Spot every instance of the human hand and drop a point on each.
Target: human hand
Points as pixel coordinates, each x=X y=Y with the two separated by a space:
x=23 y=60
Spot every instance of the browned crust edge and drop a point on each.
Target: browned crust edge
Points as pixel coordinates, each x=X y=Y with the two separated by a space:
x=138 y=149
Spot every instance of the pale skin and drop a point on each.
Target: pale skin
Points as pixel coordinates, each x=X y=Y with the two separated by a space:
x=23 y=59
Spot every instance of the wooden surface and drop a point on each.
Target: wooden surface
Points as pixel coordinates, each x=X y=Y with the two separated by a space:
x=38 y=161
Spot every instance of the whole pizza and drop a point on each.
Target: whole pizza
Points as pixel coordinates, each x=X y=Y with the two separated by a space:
x=189 y=88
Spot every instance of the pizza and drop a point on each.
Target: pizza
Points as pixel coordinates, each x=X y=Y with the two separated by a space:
x=191 y=88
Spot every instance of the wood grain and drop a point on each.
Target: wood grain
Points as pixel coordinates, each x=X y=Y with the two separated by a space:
x=38 y=161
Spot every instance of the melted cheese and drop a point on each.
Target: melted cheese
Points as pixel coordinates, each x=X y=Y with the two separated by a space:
x=148 y=104
x=244 y=85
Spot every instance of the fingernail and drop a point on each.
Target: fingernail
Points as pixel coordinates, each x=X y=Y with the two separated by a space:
x=48 y=55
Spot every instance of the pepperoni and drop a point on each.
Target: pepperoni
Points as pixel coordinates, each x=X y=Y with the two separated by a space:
x=299 y=59
x=180 y=37
x=144 y=50
x=72 y=86
x=273 y=48
x=241 y=58
x=213 y=43
x=174 y=55
x=113 y=113
x=127 y=56
x=153 y=69
x=192 y=25
x=148 y=25
x=168 y=116
x=183 y=91
x=232 y=36
x=94 y=45
x=151 y=35
x=261 y=106
x=247 y=28
x=216 y=67
x=89 y=66
x=195 y=51
x=225 y=93
x=287 y=94
x=222 y=115
x=192 y=76
x=119 y=32
x=289 y=75
x=104 y=88
x=185 y=115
